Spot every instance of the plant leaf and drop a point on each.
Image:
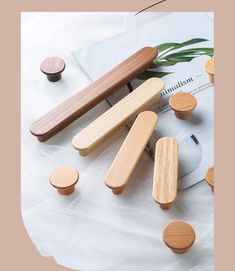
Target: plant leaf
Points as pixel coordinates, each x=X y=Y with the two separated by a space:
x=180 y=59
x=189 y=42
x=192 y=52
x=148 y=74
x=163 y=62
x=173 y=46
x=165 y=46
x=165 y=59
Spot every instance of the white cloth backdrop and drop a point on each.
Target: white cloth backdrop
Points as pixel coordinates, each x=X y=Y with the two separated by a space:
x=92 y=229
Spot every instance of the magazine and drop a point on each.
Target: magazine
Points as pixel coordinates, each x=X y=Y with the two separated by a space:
x=184 y=42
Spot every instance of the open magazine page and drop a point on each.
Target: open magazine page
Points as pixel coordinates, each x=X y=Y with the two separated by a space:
x=187 y=73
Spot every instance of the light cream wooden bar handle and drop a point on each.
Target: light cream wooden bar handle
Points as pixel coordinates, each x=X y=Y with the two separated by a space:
x=118 y=115
x=165 y=172
x=130 y=151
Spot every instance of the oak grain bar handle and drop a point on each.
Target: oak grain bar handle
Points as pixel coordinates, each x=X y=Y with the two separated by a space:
x=78 y=104
x=165 y=172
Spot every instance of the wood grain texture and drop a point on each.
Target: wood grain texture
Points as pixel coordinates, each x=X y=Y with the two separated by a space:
x=165 y=172
x=117 y=116
x=77 y=105
x=179 y=236
x=210 y=69
x=183 y=103
x=130 y=151
x=210 y=177
x=64 y=179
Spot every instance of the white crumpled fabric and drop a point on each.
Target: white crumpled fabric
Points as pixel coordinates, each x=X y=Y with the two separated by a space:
x=92 y=229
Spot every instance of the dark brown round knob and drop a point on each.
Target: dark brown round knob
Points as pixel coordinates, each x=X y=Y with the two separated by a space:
x=210 y=177
x=64 y=179
x=53 y=67
x=183 y=103
x=179 y=236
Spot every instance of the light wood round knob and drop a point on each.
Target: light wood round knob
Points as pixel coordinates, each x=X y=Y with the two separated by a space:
x=179 y=236
x=183 y=103
x=209 y=67
x=53 y=67
x=64 y=179
x=210 y=177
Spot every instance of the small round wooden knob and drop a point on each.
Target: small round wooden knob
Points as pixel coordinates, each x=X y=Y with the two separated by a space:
x=183 y=103
x=179 y=236
x=210 y=177
x=209 y=67
x=64 y=179
x=53 y=67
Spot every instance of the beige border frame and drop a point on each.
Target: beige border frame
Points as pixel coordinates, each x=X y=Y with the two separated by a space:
x=18 y=252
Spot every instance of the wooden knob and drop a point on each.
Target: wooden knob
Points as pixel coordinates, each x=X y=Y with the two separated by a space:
x=64 y=179
x=183 y=103
x=53 y=67
x=209 y=67
x=179 y=236
x=210 y=177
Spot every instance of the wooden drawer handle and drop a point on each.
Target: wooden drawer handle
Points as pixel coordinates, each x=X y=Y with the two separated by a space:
x=179 y=236
x=53 y=68
x=117 y=116
x=77 y=105
x=165 y=172
x=210 y=69
x=130 y=151
x=210 y=177
x=64 y=179
x=183 y=103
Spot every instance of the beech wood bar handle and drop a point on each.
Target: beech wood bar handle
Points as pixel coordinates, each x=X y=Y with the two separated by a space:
x=117 y=116
x=78 y=104
x=130 y=151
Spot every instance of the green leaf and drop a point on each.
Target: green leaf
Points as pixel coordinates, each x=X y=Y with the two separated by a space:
x=165 y=58
x=190 y=42
x=148 y=74
x=171 y=61
x=173 y=46
x=163 y=62
x=180 y=59
x=192 y=52
x=165 y=46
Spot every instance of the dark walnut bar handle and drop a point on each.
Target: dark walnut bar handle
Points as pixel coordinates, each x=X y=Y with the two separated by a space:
x=77 y=105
